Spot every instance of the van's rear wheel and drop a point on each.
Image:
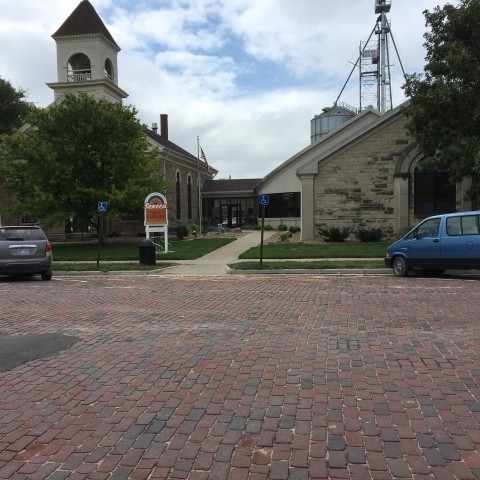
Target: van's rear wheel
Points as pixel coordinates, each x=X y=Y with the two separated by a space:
x=400 y=267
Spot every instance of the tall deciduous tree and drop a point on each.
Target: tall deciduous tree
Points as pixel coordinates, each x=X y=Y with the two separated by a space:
x=75 y=154
x=13 y=107
x=444 y=112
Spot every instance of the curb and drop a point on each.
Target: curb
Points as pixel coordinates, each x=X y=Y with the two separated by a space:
x=313 y=271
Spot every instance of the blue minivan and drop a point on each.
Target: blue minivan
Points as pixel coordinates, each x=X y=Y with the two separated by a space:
x=449 y=241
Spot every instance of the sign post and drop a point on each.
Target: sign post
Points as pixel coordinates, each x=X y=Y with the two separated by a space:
x=102 y=208
x=156 y=217
x=263 y=200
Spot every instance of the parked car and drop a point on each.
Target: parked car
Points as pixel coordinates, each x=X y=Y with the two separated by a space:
x=25 y=250
x=449 y=241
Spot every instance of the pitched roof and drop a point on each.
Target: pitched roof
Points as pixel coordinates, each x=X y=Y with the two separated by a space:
x=84 y=20
x=172 y=146
x=168 y=144
x=240 y=185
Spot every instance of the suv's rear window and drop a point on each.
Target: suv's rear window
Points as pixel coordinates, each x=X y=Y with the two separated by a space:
x=20 y=234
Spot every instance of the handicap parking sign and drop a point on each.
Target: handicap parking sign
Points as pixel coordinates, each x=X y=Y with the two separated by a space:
x=102 y=207
x=264 y=199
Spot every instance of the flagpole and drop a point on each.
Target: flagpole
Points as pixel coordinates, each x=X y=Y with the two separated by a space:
x=199 y=184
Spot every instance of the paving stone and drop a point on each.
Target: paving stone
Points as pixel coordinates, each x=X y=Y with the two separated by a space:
x=229 y=379
x=336 y=442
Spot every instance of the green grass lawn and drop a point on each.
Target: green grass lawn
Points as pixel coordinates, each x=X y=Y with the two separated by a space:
x=118 y=251
x=322 y=250
x=292 y=253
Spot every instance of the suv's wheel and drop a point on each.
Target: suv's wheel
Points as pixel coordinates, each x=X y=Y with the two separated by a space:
x=400 y=267
x=46 y=275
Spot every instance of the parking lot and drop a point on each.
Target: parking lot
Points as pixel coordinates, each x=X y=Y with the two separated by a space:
x=240 y=377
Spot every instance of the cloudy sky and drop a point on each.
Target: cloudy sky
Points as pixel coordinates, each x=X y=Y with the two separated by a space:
x=246 y=76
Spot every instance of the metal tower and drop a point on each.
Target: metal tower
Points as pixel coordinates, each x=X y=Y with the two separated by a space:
x=374 y=63
x=375 y=88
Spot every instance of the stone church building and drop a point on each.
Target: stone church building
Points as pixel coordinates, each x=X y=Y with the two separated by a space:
x=364 y=172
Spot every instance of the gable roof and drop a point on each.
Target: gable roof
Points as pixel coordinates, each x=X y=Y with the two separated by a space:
x=312 y=166
x=84 y=20
x=167 y=144
x=367 y=116
x=244 y=186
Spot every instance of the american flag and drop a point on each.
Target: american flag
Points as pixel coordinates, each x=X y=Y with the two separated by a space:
x=204 y=158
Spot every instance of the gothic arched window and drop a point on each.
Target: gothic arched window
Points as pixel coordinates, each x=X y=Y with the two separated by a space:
x=189 y=197
x=177 y=197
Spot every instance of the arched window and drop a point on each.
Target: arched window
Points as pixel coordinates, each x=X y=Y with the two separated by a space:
x=108 y=70
x=433 y=192
x=79 y=68
x=189 y=197
x=177 y=197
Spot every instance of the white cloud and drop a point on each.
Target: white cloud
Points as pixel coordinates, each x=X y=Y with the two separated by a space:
x=245 y=75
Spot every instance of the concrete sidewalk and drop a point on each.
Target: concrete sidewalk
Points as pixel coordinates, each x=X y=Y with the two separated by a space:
x=216 y=262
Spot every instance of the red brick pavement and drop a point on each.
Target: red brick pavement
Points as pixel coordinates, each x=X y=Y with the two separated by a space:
x=268 y=377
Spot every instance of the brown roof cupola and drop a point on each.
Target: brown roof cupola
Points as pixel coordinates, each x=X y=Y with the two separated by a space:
x=86 y=56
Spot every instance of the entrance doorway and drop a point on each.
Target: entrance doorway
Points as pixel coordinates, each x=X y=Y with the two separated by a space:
x=231 y=215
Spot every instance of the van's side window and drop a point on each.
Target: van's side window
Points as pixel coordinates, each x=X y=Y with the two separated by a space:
x=470 y=225
x=454 y=226
x=465 y=225
x=429 y=228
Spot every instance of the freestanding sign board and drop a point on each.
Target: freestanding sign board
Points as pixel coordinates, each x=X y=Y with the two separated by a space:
x=156 y=216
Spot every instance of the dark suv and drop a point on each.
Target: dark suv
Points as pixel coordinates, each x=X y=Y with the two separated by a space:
x=25 y=250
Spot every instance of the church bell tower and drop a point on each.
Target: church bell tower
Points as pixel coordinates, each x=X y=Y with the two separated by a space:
x=86 y=57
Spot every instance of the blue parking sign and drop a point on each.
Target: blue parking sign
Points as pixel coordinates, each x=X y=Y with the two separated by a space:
x=264 y=199
x=102 y=206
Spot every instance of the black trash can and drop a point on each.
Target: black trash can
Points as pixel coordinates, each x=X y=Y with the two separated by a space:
x=147 y=253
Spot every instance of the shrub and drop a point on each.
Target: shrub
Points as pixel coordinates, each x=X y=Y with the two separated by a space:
x=194 y=229
x=294 y=229
x=268 y=227
x=181 y=231
x=282 y=227
x=284 y=236
x=369 y=234
x=334 y=234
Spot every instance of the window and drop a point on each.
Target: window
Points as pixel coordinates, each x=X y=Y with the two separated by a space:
x=177 y=197
x=21 y=234
x=283 y=205
x=108 y=70
x=433 y=192
x=79 y=68
x=429 y=228
x=189 y=197
x=466 y=225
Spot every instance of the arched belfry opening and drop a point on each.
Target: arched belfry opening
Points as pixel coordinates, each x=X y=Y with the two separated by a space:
x=108 y=70
x=79 y=68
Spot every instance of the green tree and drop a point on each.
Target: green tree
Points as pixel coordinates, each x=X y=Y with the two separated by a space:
x=444 y=111
x=13 y=107
x=75 y=154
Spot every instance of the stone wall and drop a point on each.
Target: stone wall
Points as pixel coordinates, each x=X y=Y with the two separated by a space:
x=355 y=187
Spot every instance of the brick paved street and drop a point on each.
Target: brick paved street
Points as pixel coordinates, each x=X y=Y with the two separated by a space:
x=260 y=377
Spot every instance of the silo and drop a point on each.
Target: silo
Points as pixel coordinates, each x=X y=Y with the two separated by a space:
x=330 y=119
